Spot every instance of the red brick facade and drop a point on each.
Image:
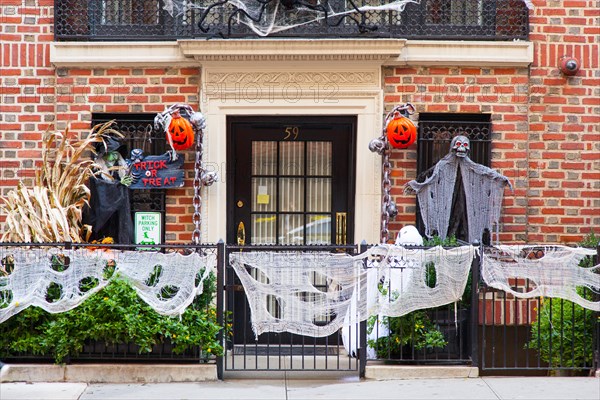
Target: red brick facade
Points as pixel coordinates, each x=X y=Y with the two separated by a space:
x=546 y=126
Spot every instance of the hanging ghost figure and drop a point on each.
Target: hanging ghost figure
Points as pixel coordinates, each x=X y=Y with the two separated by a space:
x=399 y=276
x=395 y=280
x=458 y=196
x=350 y=332
x=409 y=236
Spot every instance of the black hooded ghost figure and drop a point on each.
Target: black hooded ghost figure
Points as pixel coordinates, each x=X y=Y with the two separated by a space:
x=109 y=212
x=458 y=196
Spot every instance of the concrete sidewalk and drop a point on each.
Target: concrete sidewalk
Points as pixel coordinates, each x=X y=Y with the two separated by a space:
x=529 y=388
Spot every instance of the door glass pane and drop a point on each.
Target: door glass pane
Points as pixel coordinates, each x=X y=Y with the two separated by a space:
x=263 y=229
x=264 y=194
x=291 y=158
x=291 y=194
x=318 y=156
x=264 y=158
x=291 y=229
x=318 y=194
x=318 y=229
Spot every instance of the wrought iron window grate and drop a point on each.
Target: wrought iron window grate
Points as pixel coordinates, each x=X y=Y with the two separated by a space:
x=436 y=131
x=98 y=20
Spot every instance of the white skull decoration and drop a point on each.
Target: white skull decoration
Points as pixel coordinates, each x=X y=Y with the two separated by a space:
x=460 y=146
x=377 y=146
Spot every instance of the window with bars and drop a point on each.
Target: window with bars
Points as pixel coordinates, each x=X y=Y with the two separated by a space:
x=436 y=131
x=455 y=12
x=138 y=131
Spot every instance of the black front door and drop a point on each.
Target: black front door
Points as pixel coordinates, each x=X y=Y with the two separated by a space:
x=291 y=183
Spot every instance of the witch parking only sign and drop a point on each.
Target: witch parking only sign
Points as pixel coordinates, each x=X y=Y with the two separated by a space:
x=148 y=228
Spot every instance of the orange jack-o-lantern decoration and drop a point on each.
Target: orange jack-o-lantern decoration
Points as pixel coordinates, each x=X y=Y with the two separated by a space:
x=181 y=132
x=401 y=132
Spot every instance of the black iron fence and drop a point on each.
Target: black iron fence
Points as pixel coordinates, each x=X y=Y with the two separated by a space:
x=537 y=335
x=435 y=336
x=488 y=328
x=120 y=337
x=98 y=20
x=280 y=351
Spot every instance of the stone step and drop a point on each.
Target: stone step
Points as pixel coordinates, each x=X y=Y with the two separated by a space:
x=390 y=372
x=109 y=373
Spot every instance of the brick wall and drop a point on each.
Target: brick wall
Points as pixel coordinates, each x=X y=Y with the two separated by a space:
x=26 y=86
x=546 y=126
x=35 y=96
x=81 y=92
x=501 y=92
x=564 y=116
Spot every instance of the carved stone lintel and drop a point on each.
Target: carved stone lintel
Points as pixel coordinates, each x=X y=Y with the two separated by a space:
x=372 y=50
x=346 y=78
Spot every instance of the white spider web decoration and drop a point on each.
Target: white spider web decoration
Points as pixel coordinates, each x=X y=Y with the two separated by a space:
x=552 y=271
x=316 y=294
x=265 y=17
x=283 y=296
x=166 y=282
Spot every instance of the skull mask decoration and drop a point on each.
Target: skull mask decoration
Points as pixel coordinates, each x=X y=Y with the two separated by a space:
x=377 y=146
x=460 y=146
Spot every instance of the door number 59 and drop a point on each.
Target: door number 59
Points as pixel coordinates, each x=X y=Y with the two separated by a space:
x=291 y=133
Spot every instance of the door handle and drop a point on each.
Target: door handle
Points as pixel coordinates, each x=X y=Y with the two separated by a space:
x=341 y=228
x=241 y=234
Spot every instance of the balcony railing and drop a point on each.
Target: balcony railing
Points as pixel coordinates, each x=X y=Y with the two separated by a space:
x=131 y=20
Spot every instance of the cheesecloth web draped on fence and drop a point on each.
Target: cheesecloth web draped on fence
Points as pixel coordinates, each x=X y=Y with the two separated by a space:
x=58 y=280
x=284 y=297
x=552 y=271
x=315 y=294
x=405 y=274
x=271 y=16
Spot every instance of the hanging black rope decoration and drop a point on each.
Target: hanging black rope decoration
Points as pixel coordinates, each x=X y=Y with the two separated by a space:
x=330 y=20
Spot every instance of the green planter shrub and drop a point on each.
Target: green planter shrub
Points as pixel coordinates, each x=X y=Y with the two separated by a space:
x=114 y=315
x=415 y=330
x=563 y=331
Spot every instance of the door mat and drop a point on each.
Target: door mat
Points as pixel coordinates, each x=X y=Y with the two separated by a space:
x=276 y=350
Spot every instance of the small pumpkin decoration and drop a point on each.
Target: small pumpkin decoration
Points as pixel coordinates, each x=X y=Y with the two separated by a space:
x=401 y=132
x=180 y=132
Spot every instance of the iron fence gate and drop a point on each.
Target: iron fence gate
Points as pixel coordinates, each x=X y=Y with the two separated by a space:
x=243 y=351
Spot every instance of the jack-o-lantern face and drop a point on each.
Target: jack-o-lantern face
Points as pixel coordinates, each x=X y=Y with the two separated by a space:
x=401 y=132
x=181 y=132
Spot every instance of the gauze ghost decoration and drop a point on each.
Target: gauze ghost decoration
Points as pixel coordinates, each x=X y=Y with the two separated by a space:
x=479 y=189
x=409 y=236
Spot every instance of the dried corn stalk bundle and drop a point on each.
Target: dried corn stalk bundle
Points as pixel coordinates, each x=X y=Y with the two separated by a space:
x=51 y=210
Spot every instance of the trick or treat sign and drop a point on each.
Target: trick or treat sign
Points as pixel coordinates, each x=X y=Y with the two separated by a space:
x=155 y=172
